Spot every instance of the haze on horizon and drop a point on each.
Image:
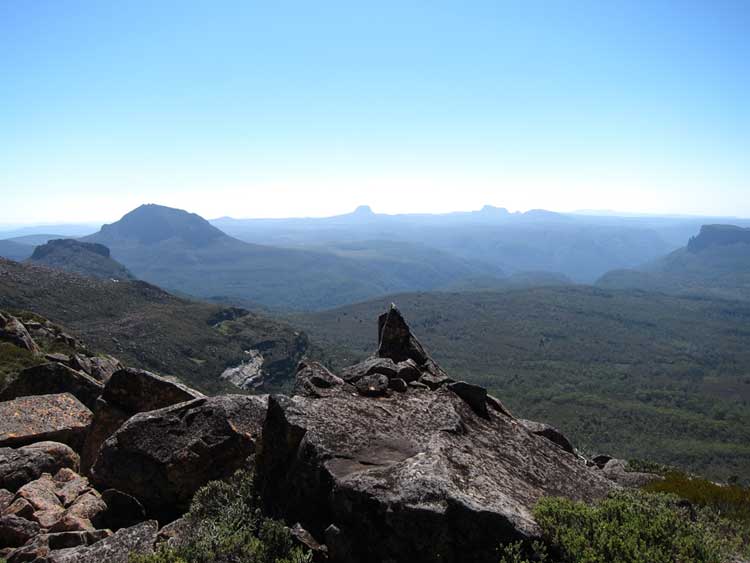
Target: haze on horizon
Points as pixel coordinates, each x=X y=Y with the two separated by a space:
x=252 y=109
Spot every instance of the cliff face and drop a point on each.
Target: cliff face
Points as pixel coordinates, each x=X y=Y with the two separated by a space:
x=85 y=258
x=718 y=235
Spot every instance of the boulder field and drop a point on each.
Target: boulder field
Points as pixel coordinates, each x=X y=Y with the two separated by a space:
x=389 y=460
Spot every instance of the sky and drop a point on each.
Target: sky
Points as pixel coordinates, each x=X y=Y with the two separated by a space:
x=285 y=108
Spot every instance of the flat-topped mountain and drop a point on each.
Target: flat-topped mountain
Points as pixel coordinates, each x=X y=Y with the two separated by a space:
x=718 y=235
x=85 y=258
x=182 y=252
x=715 y=262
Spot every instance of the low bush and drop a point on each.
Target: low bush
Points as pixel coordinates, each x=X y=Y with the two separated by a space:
x=225 y=525
x=626 y=527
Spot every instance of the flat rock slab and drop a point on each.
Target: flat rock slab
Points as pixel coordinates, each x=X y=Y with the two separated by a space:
x=117 y=548
x=56 y=418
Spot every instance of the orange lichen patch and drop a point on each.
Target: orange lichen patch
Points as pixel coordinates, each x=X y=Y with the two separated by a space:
x=59 y=417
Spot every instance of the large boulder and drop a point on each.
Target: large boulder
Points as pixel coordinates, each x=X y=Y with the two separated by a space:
x=127 y=392
x=550 y=432
x=162 y=457
x=53 y=377
x=57 y=418
x=20 y=465
x=415 y=476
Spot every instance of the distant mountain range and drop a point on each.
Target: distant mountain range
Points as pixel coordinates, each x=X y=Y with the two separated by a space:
x=715 y=262
x=181 y=251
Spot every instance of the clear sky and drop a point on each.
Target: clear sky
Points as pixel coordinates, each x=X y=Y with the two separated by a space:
x=309 y=108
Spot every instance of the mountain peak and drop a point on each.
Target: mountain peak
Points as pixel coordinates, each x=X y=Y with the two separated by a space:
x=151 y=223
x=86 y=258
x=363 y=210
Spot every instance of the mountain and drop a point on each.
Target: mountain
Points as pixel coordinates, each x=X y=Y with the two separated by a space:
x=715 y=262
x=152 y=329
x=182 y=252
x=37 y=239
x=14 y=250
x=85 y=258
x=609 y=368
x=581 y=248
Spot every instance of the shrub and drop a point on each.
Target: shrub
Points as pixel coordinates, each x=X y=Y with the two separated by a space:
x=225 y=525
x=626 y=527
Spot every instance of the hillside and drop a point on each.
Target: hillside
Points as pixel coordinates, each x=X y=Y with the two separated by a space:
x=184 y=253
x=632 y=374
x=149 y=328
x=87 y=259
x=715 y=262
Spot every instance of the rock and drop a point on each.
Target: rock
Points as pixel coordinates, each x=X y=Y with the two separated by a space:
x=12 y=330
x=408 y=370
x=372 y=385
x=46 y=379
x=550 y=432
x=395 y=340
x=307 y=542
x=127 y=392
x=435 y=381
x=475 y=396
x=173 y=533
x=103 y=367
x=162 y=457
x=314 y=380
x=497 y=405
x=123 y=510
x=601 y=460
x=57 y=357
x=615 y=469
x=46 y=548
x=20 y=507
x=412 y=477
x=27 y=463
x=63 y=540
x=137 y=390
x=370 y=366
x=57 y=418
x=398 y=384
x=63 y=503
x=117 y=548
x=6 y=499
x=16 y=531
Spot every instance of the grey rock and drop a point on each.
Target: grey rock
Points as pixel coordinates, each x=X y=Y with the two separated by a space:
x=16 y=531
x=375 y=385
x=162 y=457
x=12 y=330
x=314 y=380
x=21 y=465
x=615 y=469
x=398 y=384
x=373 y=365
x=475 y=396
x=550 y=432
x=117 y=548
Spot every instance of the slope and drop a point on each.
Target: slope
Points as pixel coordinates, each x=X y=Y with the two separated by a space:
x=149 y=328
x=626 y=373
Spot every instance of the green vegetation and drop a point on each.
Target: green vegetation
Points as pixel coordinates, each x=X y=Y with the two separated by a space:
x=627 y=527
x=12 y=360
x=625 y=373
x=225 y=525
x=147 y=327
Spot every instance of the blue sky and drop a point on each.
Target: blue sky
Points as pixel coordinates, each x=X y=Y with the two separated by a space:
x=286 y=108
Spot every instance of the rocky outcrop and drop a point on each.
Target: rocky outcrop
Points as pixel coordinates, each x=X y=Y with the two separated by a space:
x=117 y=548
x=88 y=259
x=128 y=392
x=50 y=378
x=617 y=471
x=13 y=331
x=20 y=465
x=438 y=472
x=718 y=235
x=57 y=418
x=162 y=457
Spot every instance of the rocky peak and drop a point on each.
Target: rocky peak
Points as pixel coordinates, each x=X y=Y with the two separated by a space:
x=718 y=235
x=86 y=258
x=69 y=244
x=396 y=341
